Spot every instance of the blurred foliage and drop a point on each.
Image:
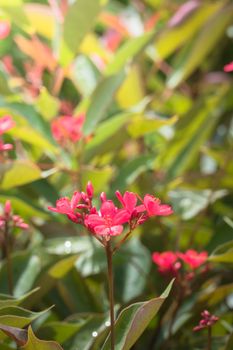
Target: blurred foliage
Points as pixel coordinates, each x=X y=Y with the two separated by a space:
x=149 y=77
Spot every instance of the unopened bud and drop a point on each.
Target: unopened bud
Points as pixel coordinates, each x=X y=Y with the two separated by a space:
x=90 y=189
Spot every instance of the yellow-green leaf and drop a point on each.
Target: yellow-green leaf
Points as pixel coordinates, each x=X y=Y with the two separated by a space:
x=34 y=343
x=20 y=173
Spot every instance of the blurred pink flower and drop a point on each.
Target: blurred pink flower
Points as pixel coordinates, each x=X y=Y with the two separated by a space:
x=167 y=262
x=228 y=67
x=5 y=29
x=154 y=208
x=68 y=128
x=6 y=123
x=193 y=258
x=12 y=220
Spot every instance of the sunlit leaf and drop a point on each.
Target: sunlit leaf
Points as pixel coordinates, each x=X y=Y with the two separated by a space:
x=127 y=52
x=26 y=172
x=143 y=124
x=78 y=22
x=203 y=44
x=40 y=18
x=133 y=320
x=101 y=100
x=46 y=104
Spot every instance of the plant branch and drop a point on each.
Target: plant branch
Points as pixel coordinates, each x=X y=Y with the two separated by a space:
x=8 y=259
x=109 y=254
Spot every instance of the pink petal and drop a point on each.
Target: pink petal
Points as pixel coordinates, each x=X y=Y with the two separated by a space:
x=164 y=210
x=95 y=220
x=108 y=209
x=121 y=217
x=75 y=200
x=130 y=200
x=228 y=67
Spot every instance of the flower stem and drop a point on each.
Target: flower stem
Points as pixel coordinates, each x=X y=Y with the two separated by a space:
x=209 y=338
x=8 y=260
x=109 y=254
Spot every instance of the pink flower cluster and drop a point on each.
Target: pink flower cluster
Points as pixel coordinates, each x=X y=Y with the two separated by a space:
x=10 y=219
x=68 y=128
x=207 y=321
x=109 y=220
x=170 y=263
x=6 y=123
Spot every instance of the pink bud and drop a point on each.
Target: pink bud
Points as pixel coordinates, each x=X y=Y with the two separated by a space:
x=103 y=197
x=7 y=208
x=90 y=189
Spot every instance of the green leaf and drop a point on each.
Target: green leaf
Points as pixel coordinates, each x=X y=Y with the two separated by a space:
x=15 y=316
x=8 y=300
x=78 y=22
x=60 y=331
x=202 y=46
x=62 y=267
x=4 y=87
x=130 y=274
x=101 y=100
x=191 y=132
x=33 y=137
x=85 y=75
x=26 y=268
x=14 y=10
x=172 y=38
x=141 y=125
x=105 y=133
x=189 y=203
x=46 y=104
x=129 y=172
x=34 y=343
x=133 y=320
x=20 y=173
x=127 y=52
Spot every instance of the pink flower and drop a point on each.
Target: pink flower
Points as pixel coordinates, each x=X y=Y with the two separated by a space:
x=109 y=221
x=228 y=67
x=207 y=320
x=129 y=201
x=154 y=208
x=68 y=207
x=68 y=128
x=5 y=29
x=193 y=258
x=12 y=220
x=167 y=262
x=6 y=123
x=5 y=146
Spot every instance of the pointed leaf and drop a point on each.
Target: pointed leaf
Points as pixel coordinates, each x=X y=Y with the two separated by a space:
x=101 y=100
x=133 y=320
x=34 y=343
x=78 y=22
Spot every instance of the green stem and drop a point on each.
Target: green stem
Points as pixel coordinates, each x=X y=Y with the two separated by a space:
x=8 y=260
x=109 y=254
x=209 y=338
